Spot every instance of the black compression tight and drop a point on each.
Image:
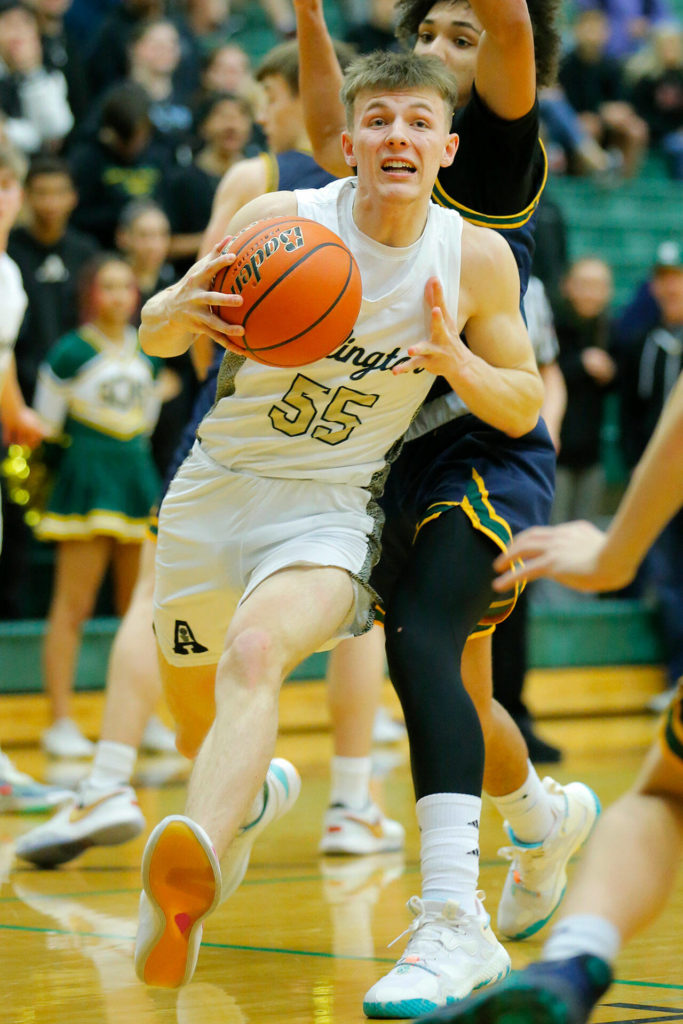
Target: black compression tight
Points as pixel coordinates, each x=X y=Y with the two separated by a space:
x=441 y=595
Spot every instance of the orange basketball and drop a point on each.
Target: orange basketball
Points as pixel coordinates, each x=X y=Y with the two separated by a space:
x=301 y=289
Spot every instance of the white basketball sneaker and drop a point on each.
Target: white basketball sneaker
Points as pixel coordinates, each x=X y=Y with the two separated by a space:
x=181 y=885
x=280 y=792
x=360 y=832
x=449 y=954
x=19 y=792
x=92 y=817
x=537 y=876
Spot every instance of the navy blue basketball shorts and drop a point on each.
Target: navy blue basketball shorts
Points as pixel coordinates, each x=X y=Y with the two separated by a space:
x=502 y=484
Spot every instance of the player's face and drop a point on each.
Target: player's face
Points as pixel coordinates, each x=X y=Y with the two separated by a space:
x=281 y=116
x=115 y=293
x=11 y=195
x=399 y=141
x=451 y=32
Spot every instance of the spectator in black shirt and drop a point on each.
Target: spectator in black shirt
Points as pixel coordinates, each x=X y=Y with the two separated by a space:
x=50 y=254
x=108 y=53
x=593 y=84
x=118 y=163
x=583 y=330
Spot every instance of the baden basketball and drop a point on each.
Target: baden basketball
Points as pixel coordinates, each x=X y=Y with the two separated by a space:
x=301 y=288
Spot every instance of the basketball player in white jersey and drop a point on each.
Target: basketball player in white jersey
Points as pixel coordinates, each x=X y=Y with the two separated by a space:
x=20 y=425
x=267 y=534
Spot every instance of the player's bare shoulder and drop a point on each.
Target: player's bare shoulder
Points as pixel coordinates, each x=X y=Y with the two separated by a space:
x=272 y=204
x=489 y=275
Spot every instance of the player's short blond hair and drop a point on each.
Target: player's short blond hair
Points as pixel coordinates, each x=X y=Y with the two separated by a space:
x=397 y=72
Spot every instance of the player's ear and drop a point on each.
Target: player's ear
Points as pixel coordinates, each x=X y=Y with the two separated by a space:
x=347 y=149
x=450 y=149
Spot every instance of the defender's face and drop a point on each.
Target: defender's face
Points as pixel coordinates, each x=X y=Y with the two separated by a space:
x=451 y=32
x=399 y=141
x=281 y=116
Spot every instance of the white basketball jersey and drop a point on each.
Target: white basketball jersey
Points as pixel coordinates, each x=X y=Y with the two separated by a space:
x=13 y=303
x=337 y=419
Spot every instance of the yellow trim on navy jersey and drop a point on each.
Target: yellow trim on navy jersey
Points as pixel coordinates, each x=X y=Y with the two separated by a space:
x=478 y=508
x=272 y=171
x=486 y=220
x=671 y=733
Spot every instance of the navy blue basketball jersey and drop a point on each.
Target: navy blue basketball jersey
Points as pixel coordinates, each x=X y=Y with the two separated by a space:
x=294 y=169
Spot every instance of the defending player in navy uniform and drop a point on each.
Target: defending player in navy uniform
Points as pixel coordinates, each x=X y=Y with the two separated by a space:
x=631 y=862
x=455 y=495
x=304 y=584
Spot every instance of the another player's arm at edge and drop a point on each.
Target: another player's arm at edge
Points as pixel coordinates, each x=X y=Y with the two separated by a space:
x=172 y=318
x=495 y=374
x=581 y=556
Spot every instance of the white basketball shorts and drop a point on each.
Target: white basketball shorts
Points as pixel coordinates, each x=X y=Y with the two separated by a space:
x=222 y=533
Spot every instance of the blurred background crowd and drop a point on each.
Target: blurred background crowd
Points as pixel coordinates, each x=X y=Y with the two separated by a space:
x=131 y=111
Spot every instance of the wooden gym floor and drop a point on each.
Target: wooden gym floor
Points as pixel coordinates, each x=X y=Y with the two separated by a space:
x=304 y=937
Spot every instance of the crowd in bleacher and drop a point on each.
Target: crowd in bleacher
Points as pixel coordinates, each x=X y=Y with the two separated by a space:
x=129 y=113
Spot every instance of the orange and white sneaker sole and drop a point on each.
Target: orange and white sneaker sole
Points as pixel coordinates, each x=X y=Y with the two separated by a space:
x=181 y=886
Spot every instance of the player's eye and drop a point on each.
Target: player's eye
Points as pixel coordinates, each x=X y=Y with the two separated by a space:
x=462 y=43
x=425 y=37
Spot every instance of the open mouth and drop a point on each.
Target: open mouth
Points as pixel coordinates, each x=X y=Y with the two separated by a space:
x=400 y=167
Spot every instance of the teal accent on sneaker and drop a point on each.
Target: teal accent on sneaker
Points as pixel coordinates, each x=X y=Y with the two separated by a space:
x=277 y=770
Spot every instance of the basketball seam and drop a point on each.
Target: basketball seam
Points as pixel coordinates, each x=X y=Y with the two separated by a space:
x=294 y=337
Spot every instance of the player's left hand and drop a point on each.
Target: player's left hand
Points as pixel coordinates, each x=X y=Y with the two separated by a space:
x=26 y=427
x=444 y=350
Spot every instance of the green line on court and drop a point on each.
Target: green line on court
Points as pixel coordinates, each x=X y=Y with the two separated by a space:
x=274 y=949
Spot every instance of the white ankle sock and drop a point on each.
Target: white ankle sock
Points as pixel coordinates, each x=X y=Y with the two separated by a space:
x=112 y=766
x=528 y=810
x=449 y=827
x=583 y=933
x=350 y=781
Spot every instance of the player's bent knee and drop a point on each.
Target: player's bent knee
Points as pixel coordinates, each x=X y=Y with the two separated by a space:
x=251 y=658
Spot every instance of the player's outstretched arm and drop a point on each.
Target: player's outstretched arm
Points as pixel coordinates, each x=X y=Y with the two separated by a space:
x=581 y=556
x=495 y=374
x=320 y=79
x=505 y=74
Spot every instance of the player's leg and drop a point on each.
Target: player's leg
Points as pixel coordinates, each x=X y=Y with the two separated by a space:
x=430 y=614
x=353 y=823
x=546 y=823
x=623 y=883
x=108 y=809
x=193 y=861
x=79 y=570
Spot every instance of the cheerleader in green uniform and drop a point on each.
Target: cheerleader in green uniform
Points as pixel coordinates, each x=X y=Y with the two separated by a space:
x=100 y=391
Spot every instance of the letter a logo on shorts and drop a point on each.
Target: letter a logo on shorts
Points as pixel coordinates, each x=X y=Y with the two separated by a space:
x=184 y=640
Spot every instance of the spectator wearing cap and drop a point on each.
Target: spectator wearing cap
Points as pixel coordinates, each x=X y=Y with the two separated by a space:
x=649 y=366
x=223 y=122
x=642 y=311
x=34 y=110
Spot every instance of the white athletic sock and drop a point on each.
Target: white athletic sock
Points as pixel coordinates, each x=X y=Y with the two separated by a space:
x=449 y=837
x=112 y=766
x=583 y=933
x=528 y=810
x=350 y=783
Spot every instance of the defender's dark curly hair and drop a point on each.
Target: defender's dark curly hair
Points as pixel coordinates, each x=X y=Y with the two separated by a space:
x=544 y=15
